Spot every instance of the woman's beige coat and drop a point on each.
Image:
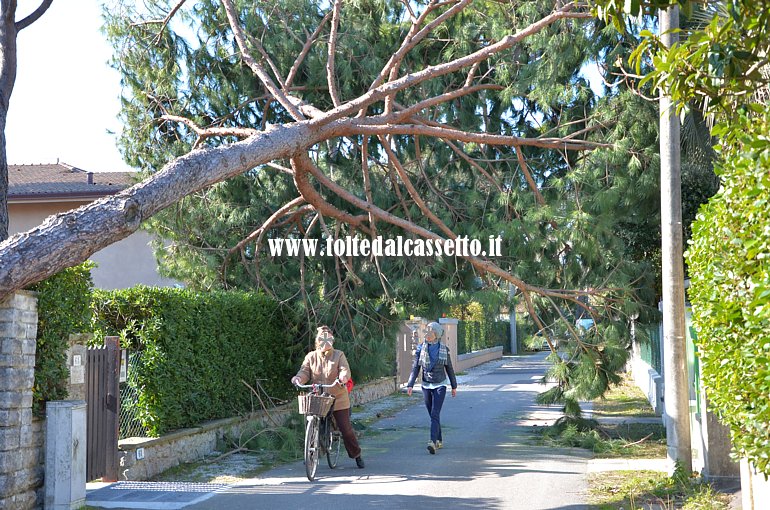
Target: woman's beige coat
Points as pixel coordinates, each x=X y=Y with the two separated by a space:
x=325 y=368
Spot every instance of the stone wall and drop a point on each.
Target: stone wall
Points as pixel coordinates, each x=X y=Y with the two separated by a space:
x=21 y=437
x=142 y=458
x=475 y=358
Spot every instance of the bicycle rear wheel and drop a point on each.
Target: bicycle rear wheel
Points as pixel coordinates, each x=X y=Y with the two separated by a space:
x=311 y=447
x=332 y=439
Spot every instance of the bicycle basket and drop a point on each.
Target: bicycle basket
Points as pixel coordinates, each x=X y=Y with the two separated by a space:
x=315 y=404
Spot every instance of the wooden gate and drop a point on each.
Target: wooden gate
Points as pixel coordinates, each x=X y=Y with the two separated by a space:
x=102 y=375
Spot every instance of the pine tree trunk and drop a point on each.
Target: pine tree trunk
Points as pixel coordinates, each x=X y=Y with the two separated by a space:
x=3 y=179
x=7 y=80
x=69 y=238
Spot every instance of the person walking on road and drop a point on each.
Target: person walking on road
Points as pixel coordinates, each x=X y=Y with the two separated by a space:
x=324 y=365
x=432 y=357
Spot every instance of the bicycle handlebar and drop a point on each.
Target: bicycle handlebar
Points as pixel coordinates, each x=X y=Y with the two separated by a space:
x=311 y=386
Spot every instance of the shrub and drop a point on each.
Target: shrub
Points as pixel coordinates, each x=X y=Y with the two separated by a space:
x=730 y=288
x=197 y=348
x=477 y=330
x=63 y=308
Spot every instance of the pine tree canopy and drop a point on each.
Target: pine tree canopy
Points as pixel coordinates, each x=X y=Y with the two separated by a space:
x=259 y=121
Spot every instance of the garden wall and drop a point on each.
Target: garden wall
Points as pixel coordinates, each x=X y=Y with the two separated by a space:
x=22 y=438
x=475 y=358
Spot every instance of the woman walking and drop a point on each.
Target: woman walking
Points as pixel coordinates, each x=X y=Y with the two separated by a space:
x=432 y=357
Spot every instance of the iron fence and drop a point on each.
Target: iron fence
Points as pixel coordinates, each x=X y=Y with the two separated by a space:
x=130 y=423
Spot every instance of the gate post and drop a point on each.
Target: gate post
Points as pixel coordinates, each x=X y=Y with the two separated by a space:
x=112 y=343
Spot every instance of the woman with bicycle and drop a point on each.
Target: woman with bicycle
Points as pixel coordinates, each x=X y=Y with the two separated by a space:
x=325 y=365
x=432 y=356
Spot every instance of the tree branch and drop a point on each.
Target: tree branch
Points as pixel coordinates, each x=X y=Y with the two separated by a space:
x=303 y=54
x=410 y=80
x=528 y=177
x=256 y=68
x=34 y=16
x=330 y=72
x=257 y=234
x=413 y=192
x=313 y=197
x=212 y=131
x=379 y=125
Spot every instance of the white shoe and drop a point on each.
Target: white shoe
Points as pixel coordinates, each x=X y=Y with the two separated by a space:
x=439 y=445
x=432 y=447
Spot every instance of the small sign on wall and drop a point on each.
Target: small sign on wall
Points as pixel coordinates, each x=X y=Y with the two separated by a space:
x=123 y=365
x=77 y=373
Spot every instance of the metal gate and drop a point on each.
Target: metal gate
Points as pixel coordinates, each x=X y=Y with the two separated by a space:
x=406 y=344
x=102 y=395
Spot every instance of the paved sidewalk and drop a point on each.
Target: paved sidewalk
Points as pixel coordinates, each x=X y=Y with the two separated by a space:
x=490 y=459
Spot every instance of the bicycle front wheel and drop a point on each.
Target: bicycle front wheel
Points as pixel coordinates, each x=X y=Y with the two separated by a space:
x=311 y=447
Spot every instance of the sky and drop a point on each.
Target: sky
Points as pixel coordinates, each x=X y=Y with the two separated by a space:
x=66 y=96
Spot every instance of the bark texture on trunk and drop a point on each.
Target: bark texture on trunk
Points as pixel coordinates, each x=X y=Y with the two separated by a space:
x=70 y=238
x=7 y=79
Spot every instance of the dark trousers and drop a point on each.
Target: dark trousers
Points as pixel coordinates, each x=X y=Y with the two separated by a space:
x=342 y=417
x=434 y=399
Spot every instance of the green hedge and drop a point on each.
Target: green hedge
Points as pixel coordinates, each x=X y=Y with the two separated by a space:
x=478 y=335
x=730 y=288
x=63 y=308
x=197 y=348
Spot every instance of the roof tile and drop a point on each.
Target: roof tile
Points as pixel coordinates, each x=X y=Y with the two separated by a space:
x=63 y=180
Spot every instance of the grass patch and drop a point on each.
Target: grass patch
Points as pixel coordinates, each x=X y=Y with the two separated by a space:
x=634 y=440
x=642 y=489
x=613 y=440
x=623 y=400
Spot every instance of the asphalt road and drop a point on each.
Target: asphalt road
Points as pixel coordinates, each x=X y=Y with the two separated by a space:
x=489 y=460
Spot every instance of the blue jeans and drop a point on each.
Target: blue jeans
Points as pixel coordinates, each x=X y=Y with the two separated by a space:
x=434 y=399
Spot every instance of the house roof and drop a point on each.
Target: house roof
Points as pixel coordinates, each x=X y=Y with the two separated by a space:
x=63 y=181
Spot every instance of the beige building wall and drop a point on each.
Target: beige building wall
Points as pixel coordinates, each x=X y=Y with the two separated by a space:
x=123 y=264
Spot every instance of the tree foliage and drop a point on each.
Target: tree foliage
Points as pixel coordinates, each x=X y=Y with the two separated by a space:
x=558 y=206
x=63 y=309
x=730 y=290
x=428 y=119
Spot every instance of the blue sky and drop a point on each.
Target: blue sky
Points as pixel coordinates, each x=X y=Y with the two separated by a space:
x=66 y=96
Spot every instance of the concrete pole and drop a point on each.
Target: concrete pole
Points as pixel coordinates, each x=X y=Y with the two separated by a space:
x=512 y=319
x=677 y=398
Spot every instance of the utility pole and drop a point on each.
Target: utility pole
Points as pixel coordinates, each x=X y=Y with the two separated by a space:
x=677 y=393
x=512 y=318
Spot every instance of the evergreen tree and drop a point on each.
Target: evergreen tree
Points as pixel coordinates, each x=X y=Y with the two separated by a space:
x=559 y=212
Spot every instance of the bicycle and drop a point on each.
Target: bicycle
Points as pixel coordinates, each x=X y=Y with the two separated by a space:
x=321 y=436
